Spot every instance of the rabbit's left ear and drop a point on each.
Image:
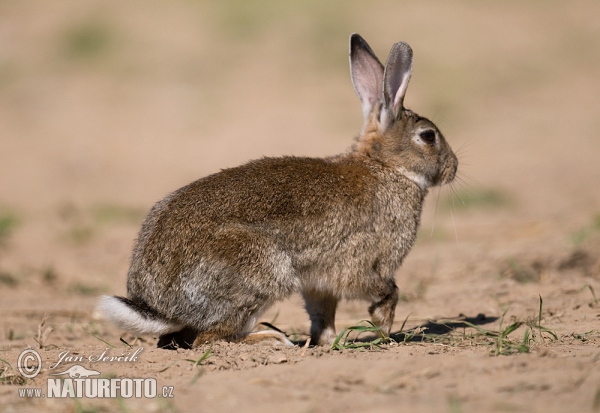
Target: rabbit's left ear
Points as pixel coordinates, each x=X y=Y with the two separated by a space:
x=398 y=69
x=367 y=74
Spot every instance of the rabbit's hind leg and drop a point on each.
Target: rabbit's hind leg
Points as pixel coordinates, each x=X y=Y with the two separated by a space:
x=247 y=336
x=321 y=308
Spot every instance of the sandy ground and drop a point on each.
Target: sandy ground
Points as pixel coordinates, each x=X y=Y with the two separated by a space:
x=105 y=107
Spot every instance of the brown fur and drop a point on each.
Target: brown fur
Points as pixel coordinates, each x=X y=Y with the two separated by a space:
x=216 y=253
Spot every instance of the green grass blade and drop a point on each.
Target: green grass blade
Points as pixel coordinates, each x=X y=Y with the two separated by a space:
x=511 y=328
x=205 y=356
x=370 y=328
x=96 y=337
x=6 y=362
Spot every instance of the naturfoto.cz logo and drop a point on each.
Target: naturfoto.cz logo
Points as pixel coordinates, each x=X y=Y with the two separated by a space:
x=78 y=381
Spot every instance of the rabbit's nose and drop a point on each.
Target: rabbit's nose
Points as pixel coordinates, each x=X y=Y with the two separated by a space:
x=450 y=168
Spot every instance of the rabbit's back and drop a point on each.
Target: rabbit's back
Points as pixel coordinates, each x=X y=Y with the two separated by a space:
x=273 y=190
x=270 y=195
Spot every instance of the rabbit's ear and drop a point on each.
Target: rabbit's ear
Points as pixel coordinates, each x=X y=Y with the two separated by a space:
x=398 y=69
x=367 y=73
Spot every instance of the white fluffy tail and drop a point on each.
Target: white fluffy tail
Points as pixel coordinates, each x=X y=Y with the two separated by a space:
x=128 y=316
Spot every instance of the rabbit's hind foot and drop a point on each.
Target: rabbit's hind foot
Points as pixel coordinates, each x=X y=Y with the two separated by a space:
x=275 y=337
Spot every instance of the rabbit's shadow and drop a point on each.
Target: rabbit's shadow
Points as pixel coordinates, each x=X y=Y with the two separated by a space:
x=425 y=331
x=441 y=327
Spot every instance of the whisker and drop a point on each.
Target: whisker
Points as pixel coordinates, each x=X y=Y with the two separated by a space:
x=453 y=222
x=466 y=185
x=456 y=194
x=437 y=202
x=461 y=153
x=465 y=145
x=463 y=176
x=435 y=119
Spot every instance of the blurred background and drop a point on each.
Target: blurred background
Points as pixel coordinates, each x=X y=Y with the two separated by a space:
x=107 y=106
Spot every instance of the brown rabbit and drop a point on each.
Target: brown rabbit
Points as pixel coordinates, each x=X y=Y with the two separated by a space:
x=214 y=255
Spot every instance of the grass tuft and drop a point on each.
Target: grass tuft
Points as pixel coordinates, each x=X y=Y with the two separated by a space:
x=207 y=354
x=8 y=376
x=342 y=342
x=506 y=347
x=463 y=332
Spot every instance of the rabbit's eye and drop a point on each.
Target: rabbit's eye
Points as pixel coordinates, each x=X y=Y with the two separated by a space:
x=428 y=136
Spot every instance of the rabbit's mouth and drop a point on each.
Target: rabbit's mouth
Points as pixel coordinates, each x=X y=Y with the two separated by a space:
x=447 y=173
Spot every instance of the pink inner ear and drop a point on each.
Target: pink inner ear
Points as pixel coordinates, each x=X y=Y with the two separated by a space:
x=399 y=98
x=367 y=77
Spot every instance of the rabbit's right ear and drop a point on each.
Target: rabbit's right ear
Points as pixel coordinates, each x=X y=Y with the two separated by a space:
x=367 y=74
x=398 y=69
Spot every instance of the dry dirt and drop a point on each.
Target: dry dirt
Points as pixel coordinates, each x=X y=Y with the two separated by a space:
x=105 y=107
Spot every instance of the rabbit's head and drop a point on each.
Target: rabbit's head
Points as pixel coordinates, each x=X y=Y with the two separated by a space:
x=392 y=134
